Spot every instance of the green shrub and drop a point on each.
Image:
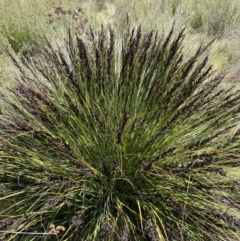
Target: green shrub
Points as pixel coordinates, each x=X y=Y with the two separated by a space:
x=119 y=140
x=20 y=40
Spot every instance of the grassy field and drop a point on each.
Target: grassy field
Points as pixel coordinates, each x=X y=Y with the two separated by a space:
x=26 y=21
x=26 y=24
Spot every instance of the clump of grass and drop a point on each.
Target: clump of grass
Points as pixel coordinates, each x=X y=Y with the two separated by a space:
x=120 y=140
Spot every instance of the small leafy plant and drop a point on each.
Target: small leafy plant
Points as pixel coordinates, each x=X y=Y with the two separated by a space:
x=120 y=139
x=21 y=40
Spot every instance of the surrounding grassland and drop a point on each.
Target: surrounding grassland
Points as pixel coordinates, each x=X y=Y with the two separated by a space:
x=24 y=24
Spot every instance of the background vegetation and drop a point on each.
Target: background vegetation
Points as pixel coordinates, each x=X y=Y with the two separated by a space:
x=24 y=24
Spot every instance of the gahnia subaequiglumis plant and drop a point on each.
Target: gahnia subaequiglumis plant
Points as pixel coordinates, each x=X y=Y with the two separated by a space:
x=119 y=139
